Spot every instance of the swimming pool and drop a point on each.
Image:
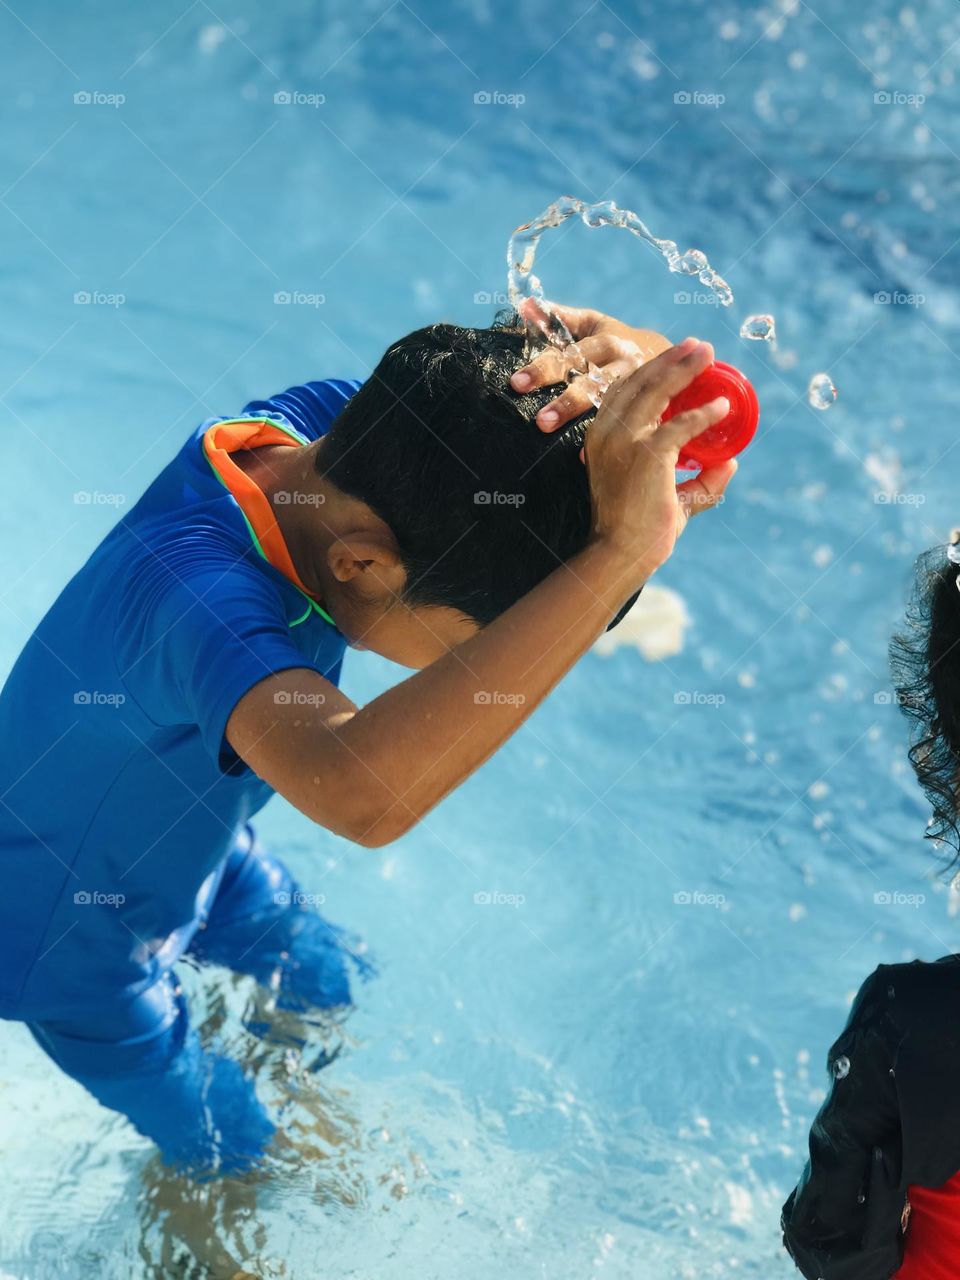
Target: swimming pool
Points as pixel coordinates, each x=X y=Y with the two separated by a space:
x=607 y=1062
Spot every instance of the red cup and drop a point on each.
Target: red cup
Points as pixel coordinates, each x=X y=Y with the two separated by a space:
x=731 y=435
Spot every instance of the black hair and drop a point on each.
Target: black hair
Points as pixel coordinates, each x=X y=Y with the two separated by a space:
x=483 y=504
x=925 y=657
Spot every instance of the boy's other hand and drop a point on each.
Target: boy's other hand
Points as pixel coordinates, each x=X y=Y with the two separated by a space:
x=639 y=510
x=614 y=347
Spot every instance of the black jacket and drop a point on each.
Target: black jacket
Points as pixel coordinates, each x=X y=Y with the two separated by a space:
x=891 y=1120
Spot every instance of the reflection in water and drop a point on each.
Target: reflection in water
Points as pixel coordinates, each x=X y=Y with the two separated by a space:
x=209 y=1227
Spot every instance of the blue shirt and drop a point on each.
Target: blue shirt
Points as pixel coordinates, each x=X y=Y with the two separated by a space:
x=119 y=797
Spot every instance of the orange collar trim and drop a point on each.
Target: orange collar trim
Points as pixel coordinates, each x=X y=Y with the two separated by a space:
x=225 y=438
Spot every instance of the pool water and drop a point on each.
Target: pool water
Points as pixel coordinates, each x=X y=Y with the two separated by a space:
x=611 y=964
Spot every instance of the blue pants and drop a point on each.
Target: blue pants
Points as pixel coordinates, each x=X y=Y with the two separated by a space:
x=142 y=1058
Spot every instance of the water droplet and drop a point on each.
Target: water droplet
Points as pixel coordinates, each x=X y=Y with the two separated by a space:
x=759 y=329
x=692 y=263
x=821 y=393
x=841 y=1067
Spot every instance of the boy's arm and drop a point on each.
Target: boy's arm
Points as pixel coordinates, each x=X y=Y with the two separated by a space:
x=371 y=774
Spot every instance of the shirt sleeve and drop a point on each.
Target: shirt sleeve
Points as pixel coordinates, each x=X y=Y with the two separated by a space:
x=197 y=628
x=311 y=408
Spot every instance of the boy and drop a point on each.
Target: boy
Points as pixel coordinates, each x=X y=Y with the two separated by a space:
x=190 y=669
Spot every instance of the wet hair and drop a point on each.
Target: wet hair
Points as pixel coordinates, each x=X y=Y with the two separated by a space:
x=483 y=504
x=925 y=657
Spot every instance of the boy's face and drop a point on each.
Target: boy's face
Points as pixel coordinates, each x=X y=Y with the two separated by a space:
x=360 y=575
x=411 y=637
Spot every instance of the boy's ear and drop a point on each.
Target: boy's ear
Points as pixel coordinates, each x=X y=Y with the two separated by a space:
x=369 y=559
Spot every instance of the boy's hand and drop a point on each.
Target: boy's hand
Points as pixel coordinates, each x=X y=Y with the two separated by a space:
x=639 y=511
x=611 y=345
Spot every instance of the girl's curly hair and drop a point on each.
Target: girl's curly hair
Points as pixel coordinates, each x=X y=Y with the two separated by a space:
x=925 y=659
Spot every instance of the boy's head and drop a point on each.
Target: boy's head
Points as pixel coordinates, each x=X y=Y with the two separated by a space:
x=481 y=503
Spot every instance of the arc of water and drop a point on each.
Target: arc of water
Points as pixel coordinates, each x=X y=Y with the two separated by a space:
x=523 y=285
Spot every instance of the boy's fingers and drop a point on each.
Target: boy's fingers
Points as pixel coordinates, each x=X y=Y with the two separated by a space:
x=581 y=321
x=580 y=396
x=574 y=401
x=655 y=383
x=681 y=429
x=677 y=374
x=552 y=365
x=707 y=489
x=548 y=368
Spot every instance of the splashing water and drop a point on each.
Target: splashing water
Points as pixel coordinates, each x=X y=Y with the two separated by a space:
x=524 y=286
x=759 y=329
x=821 y=393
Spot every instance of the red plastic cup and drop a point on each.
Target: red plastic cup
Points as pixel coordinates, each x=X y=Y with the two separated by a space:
x=731 y=435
